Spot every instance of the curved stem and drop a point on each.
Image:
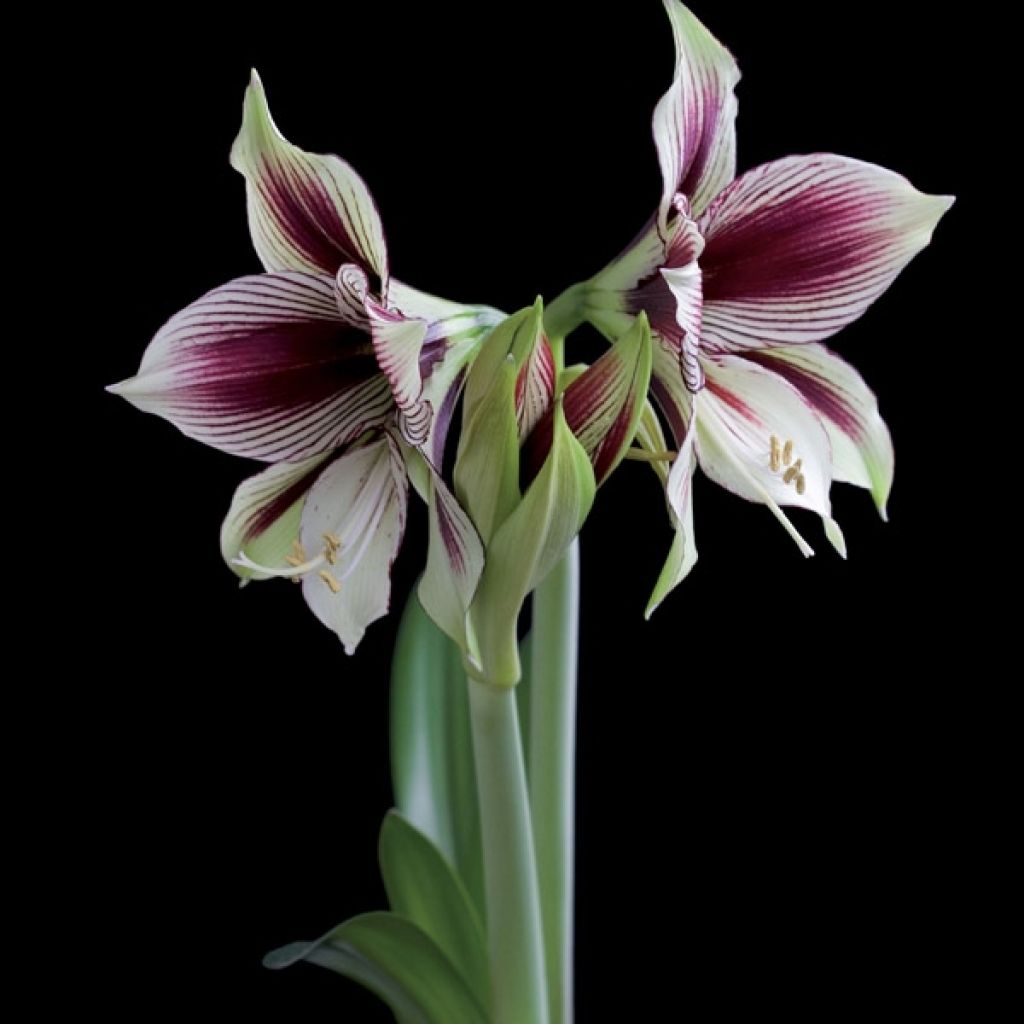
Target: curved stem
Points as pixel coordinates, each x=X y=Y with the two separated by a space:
x=553 y=768
x=514 y=934
x=565 y=314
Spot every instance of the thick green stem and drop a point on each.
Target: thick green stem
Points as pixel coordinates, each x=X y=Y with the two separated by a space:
x=565 y=314
x=514 y=933
x=553 y=767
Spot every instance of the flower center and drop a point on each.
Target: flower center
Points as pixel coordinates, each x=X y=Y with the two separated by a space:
x=300 y=564
x=781 y=461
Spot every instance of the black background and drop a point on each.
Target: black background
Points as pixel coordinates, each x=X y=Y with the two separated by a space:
x=771 y=793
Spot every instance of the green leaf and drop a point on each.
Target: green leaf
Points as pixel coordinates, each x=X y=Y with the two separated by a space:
x=432 y=766
x=422 y=886
x=396 y=960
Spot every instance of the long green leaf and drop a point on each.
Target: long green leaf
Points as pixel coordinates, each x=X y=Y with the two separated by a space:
x=422 y=886
x=431 y=746
x=396 y=960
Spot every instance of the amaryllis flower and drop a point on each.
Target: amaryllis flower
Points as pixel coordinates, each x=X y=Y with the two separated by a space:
x=742 y=280
x=326 y=368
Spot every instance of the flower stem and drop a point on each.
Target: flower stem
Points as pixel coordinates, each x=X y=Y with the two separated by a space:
x=514 y=933
x=565 y=314
x=553 y=768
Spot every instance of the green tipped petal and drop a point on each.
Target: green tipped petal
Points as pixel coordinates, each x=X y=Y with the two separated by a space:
x=526 y=547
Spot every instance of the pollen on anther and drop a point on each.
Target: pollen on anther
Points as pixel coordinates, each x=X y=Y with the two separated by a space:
x=293 y=560
x=787 y=453
x=331 y=554
x=801 y=484
x=330 y=581
x=790 y=475
x=300 y=552
x=775 y=454
x=333 y=541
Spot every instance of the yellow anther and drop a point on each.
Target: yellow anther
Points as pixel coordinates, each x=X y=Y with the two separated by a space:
x=294 y=559
x=296 y=579
x=790 y=475
x=787 y=453
x=776 y=455
x=331 y=554
x=300 y=551
x=798 y=465
x=801 y=484
x=332 y=541
x=330 y=581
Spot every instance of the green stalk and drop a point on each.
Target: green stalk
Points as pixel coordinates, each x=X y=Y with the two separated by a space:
x=514 y=933
x=565 y=314
x=553 y=768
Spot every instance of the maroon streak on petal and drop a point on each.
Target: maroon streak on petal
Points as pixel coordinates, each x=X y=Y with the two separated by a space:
x=264 y=516
x=732 y=400
x=535 y=386
x=694 y=122
x=307 y=212
x=262 y=367
x=798 y=248
x=821 y=393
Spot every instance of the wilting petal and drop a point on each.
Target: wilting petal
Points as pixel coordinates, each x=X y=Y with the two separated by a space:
x=694 y=122
x=862 y=451
x=263 y=367
x=603 y=404
x=306 y=212
x=758 y=438
x=799 y=248
x=263 y=520
x=357 y=508
x=455 y=560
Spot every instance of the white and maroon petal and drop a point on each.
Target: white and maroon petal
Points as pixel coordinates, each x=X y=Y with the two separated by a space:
x=422 y=343
x=671 y=297
x=695 y=121
x=263 y=520
x=455 y=560
x=398 y=342
x=535 y=386
x=757 y=437
x=351 y=290
x=682 y=556
x=797 y=249
x=262 y=367
x=602 y=405
x=357 y=510
x=862 y=452
x=306 y=211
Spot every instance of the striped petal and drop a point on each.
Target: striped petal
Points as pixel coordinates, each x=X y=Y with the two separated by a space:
x=263 y=367
x=306 y=212
x=799 y=248
x=862 y=452
x=455 y=560
x=263 y=520
x=695 y=121
x=416 y=339
x=757 y=437
x=682 y=556
x=358 y=505
x=603 y=405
